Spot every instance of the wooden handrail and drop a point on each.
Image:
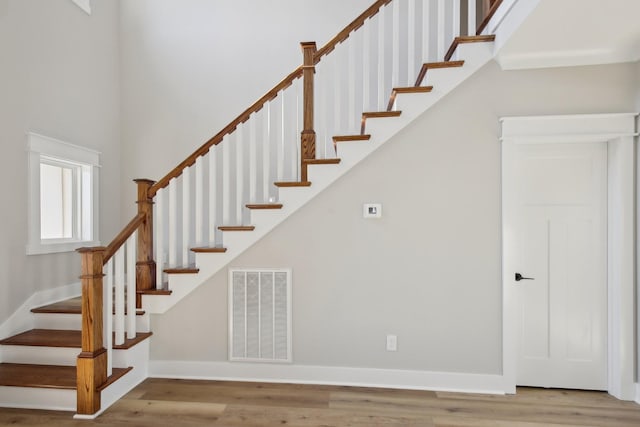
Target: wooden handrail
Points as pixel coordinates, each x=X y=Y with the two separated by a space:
x=243 y=117
x=122 y=237
x=344 y=34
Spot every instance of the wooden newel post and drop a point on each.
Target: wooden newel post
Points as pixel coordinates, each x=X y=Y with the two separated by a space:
x=308 y=137
x=145 y=265
x=92 y=361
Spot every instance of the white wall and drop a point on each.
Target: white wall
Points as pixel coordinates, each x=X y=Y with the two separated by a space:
x=191 y=66
x=58 y=77
x=429 y=271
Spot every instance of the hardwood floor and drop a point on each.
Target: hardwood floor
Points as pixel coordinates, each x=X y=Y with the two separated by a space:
x=159 y=402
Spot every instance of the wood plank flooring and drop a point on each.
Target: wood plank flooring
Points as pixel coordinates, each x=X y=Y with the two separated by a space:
x=158 y=402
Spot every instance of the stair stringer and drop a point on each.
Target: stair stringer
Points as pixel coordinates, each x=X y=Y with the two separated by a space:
x=382 y=130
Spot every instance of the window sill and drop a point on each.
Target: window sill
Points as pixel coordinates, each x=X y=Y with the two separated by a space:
x=52 y=248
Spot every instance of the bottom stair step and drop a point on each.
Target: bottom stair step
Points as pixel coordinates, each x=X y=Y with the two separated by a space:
x=47 y=376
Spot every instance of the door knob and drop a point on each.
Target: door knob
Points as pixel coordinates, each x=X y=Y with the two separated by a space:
x=521 y=277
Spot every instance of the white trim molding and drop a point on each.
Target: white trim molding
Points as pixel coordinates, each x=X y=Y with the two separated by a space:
x=619 y=132
x=86 y=194
x=328 y=375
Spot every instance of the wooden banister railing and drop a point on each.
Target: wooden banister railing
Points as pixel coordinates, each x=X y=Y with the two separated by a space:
x=243 y=117
x=192 y=201
x=122 y=237
x=353 y=26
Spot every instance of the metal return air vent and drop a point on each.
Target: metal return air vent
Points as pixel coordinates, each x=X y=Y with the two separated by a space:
x=260 y=315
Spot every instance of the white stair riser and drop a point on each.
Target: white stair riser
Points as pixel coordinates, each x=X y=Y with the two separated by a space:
x=37 y=398
x=39 y=355
x=73 y=322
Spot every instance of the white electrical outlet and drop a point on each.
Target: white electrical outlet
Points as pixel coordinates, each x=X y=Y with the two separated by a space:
x=392 y=342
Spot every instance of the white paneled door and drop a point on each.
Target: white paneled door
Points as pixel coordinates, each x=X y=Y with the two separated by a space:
x=560 y=277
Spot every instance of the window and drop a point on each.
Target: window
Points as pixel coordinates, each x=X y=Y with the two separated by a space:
x=63 y=194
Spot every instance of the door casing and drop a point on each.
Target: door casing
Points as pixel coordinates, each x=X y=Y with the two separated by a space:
x=618 y=131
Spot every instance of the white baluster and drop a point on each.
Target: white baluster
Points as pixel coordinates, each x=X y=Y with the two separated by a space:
x=321 y=111
x=413 y=35
x=382 y=58
x=371 y=65
x=226 y=181
x=239 y=174
x=456 y=19
x=338 y=91
x=252 y=139
x=366 y=65
x=279 y=138
x=264 y=143
x=119 y=296
x=441 y=29
x=160 y=219
x=428 y=31
x=107 y=314
x=199 y=203
x=131 y=285
x=274 y=136
x=173 y=223
x=213 y=193
x=395 y=31
x=356 y=64
x=471 y=18
x=186 y=215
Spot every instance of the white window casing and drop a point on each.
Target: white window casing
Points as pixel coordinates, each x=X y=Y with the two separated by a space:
x=80 y=165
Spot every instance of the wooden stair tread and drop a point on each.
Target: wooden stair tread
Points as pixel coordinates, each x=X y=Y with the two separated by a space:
x=432 y=65
x=410 y=89
x=212 y=250
x=346 y=138
x=47 y=376
x=467 y=39
x=264 y=206
x=334 y=161
x=191 y=269
x=69 y=306
x=292 y=184
x=236 y=228
x=379 y=114
x=46 y=338
x=160 y=291
x=63 y=339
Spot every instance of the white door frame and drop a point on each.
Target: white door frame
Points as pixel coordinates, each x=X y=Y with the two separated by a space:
x=618 y=132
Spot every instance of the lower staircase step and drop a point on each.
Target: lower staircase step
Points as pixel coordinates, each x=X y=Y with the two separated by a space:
x=47 y=376
x=68 y=306
x=40 y=376
x=63 y=338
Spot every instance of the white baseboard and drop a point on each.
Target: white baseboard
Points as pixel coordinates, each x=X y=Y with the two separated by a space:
x=328 y=375
x=22 y=319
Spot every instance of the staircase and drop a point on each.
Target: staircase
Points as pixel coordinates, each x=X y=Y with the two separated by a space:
x=347 y=99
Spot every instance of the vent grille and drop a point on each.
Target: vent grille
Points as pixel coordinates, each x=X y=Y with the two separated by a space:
x=260 y=315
